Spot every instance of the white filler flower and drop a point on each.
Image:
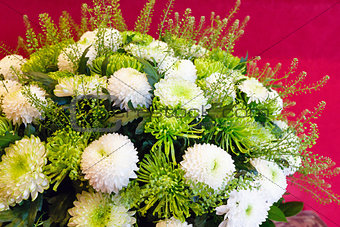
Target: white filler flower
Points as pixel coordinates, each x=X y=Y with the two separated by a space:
x=10 y=66
x=97 y=209
x=21 y=171
x=172 y=222
x=209 y=164
x=271 y=179
x=254 y=90
x=128 y=84
x=245 y=208
x=108 y=38
x=17 y=107
x=109 y=162
x=80 y=85
x=221 y=85
x=173 y=92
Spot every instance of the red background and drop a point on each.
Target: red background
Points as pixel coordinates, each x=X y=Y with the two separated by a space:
x=316 y=44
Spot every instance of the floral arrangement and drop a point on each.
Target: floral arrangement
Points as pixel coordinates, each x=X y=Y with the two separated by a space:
x=105 y=126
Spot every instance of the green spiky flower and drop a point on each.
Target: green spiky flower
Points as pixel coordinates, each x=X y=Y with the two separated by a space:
x=165 y=189
x=166 y=125
x=21 y=172
x=237 y=131
x=64 y=151
x=206 y=67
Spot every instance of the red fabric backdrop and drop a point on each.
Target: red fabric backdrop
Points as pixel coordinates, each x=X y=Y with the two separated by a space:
x=306 y=29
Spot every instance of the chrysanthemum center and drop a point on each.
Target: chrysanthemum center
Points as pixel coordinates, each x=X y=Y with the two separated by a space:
x=248 y=210
x=182 y=91
x=20 y=167
x=101 y=215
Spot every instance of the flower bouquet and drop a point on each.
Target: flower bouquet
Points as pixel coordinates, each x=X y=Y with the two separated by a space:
x=105 y=126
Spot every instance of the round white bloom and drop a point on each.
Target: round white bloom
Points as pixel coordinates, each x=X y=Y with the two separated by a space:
x=8 y=86
x=128 y=84
x=174 y=91
x=172 y=222
x=254 y=90
x=109 y=162
x=97 y=209
x=271 y=178
x=10 y=66
x=245 y=208
x=17 y=107
x=88 y=38
x=209 y=164
x=80 y=85
x=156 y=51
x=183 y=69
x=109 y=38
x=21 y=173
x=69 y=57
x=221 y=85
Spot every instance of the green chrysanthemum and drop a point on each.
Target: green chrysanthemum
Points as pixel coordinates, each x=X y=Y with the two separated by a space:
x=206 y=67
x=165 y=189
x=64 y=151
x=237 y=131
x=113 y=63
x=167 y=125
x=21 y=172
x=97 y=209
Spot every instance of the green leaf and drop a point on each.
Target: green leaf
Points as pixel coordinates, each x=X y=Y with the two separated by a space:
x=124 y=117
x=140 y=126
x=267 y=223
x=244 y=59
x=291 y=208
x=151 y=73
x=35 y=206
x=104 y=65
x=43 y=79
x=276 y=214
x=29 y=130
x=58 y=207
x=83 y=69
x=8 y=138
x=7 y=216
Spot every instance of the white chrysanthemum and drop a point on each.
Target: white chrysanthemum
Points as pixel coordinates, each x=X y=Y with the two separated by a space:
x=10 y=66
x=108 y=38
x=17 y=107
x=69 y=57
x=245 y=208
x=183 y=69
x=128 y=84
x=174 y=91
x=275 y=101
x=209 y=164
x=97 y=210
x=254 y=90
x=8 y=86
x=221 y=85
x=80 y=85
x=88 y=38
x=271 y=178
x=172 y=222
x=21 y=173
x=156 y=51
x=109 y=162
